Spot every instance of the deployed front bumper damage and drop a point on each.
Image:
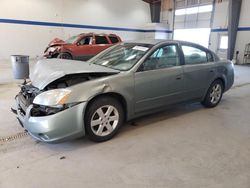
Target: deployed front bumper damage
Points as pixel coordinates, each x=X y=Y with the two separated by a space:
x=63 y=125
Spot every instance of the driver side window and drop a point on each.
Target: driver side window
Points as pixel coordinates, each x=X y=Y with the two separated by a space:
x=85 y=41
x=163 y=57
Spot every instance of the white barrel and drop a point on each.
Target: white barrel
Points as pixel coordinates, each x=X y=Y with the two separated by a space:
x=20 y=66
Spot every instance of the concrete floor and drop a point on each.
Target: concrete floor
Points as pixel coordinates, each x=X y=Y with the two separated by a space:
x=186 y=146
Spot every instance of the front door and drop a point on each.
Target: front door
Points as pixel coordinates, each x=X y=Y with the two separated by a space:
x=159 y=81
x=84 y=49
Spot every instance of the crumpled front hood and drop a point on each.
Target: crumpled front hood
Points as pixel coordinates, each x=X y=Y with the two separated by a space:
x=48 y=70
x=56 y=42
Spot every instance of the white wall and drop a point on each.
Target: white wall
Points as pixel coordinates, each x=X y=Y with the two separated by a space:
x=220 y=21
x=32 y=40
x=243 y=37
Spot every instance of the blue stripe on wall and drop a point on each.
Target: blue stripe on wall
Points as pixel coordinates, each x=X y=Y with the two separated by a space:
x=225 y=29
x=55 y=24
x=244 y=29
x=219 y=30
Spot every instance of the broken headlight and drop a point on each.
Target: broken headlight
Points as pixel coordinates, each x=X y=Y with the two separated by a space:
x=53 y=98
x=40 y=110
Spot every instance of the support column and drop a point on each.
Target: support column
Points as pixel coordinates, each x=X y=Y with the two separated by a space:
x=167 y=15
x=155 y=10
x=233 y=23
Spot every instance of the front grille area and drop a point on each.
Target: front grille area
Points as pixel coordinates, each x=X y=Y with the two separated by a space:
x=26 y=97
x=23 y=102
x=39 y=110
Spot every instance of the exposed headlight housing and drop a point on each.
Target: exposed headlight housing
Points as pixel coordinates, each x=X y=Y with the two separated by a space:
x=53 y=49
x=54 y=98
x=51 y=102
x=39 y=110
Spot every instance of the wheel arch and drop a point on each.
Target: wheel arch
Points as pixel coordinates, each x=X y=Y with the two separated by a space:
x=66 y=52
x=120 y=98
x=217 y=78
x=222 y=80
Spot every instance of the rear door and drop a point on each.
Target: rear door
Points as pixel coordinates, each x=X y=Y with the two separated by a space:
x=101 y=42
x=198 y=70
x=158 y=81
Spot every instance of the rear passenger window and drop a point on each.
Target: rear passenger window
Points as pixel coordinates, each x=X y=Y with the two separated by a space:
x=194 y=55
x=101 y=40
x=113 y=39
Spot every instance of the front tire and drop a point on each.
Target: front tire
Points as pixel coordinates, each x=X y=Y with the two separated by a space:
x=64 y=56
x=103 y=119
x=214 y=94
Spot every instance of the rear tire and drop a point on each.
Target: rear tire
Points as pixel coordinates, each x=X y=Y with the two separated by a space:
x=64 y=56
x=103 y=119
x=214 y=94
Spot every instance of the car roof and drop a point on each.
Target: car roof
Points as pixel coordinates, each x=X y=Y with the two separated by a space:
x=146 y=41
x=110 y=34
x=155 y=41
x=159 y=41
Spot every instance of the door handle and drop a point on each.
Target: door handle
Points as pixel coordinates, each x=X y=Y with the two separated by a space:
x=211 y=71
x=178 y=78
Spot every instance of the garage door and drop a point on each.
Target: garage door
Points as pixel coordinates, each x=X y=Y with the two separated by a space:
x=192 y=20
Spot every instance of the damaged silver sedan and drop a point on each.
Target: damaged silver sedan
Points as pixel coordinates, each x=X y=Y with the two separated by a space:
x=67 y=99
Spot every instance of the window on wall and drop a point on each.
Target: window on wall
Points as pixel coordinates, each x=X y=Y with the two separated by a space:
x=191 y=3
x=194 y=10
x=223 y=42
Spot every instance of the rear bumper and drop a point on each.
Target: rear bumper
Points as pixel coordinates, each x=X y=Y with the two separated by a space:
x=230 y=79
x=62 y=126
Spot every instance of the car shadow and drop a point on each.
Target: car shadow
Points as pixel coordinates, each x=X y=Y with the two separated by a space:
x=163 y=115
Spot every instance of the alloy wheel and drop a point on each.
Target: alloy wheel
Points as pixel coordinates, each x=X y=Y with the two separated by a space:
x=215 y=93
x=104 y=120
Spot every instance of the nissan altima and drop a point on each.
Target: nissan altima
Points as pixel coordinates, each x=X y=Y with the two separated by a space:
x=66 y=99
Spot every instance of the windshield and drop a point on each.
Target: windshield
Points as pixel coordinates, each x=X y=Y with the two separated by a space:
x=121 y=57
x=71 y=40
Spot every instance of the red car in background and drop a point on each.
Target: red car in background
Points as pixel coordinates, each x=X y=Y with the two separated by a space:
x=80 y=47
